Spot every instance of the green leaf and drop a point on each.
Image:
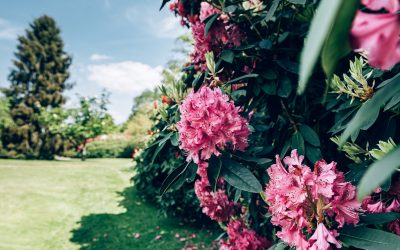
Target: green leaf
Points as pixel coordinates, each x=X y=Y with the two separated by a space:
x=238 y=192
x=298 y=143
x=378 y=173
x=309 y=135
x=371 y=107
x=285 y=87
x=228 y=56
x=313 y=154
x=213 y=171
x=271 y=11
x=175 y=139
x=321 y=26
x=380 y=218
x=290 y=66
x=230 y=8
x=265 y=44
x=278 y=246
x=158 y=149
x=239 y=177
x=172 y=178
x=369 y=239
x=337 y=44
x=298 y=1
x=164 y=2
x=209 y=22
x=242 y=78
x=196 y=81
x=269 y=74
x=269 y=88
x=191 y=172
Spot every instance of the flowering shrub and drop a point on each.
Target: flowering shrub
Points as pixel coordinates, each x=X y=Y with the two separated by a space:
x=209 y=121
x=246 y=98
x=299 y=198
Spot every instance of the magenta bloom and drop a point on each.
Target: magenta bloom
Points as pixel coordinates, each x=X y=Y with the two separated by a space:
x=299 y=198
x=209 y=122
x=243 y=238
x=378 y=34
x=323 y=237
x=216 y=204
x=382 y=201
x=207 y=10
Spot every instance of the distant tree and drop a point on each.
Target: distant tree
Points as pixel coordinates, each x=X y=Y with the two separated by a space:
x=5 y=119
x=38 y=80
x=88 y=121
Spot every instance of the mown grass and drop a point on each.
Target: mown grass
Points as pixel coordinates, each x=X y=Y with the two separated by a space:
x=83 y=205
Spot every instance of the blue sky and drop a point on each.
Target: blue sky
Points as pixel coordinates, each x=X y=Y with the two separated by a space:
x=119 y=45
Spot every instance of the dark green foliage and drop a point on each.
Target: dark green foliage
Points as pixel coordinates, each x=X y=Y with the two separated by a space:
x=38 y=79
x=178 y=201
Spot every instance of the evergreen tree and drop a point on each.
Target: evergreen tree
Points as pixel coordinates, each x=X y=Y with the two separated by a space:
x=38 y=79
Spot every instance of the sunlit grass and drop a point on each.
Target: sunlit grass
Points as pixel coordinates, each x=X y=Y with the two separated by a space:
x=74 y=204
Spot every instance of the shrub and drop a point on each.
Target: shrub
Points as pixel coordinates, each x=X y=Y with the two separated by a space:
x=279 y=190
x=150 y=172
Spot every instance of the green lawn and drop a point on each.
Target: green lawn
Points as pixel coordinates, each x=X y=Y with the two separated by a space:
x=82 y=205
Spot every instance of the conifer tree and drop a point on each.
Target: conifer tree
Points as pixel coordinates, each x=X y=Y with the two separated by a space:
x=38 y=78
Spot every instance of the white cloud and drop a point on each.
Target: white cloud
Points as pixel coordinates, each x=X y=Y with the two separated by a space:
x=157 y=25
x=126 y=76
x=8 y=31
x=99 y=57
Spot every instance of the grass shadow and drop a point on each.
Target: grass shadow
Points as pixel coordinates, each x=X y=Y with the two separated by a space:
x=138 y=228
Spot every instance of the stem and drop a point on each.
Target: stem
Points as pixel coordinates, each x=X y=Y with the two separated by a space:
x=289 y=116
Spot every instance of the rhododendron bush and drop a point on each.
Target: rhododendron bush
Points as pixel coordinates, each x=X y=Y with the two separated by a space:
x=287 y=118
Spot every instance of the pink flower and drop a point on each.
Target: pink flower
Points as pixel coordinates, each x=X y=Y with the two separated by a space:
x=345 y=205
x=385 y=201
x=207 y=10
x=322 y=237
x=375 y=208
x=394 y=226
x=243 y=238
x=324 y=178
x=299 y=199
x=378 y=34
x=209 y=122
x=394 y=206
x=216 y=204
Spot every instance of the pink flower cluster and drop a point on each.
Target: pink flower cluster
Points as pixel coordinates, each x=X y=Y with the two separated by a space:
x=183 y=9
x=220 y=34
x=385 y=201
x=209 y=122
x=300 y=199
x=378 y=34
x=216 y=204
x=243 y=238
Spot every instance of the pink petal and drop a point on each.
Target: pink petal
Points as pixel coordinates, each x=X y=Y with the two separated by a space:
x=378 y=35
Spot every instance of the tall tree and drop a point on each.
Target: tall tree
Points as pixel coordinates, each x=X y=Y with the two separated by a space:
x=38 y=79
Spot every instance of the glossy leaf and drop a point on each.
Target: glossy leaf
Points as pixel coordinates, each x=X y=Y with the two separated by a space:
x=228 y=56
x=209 y=23
x=379 y=218
x=371 y=107
x=309 y=135
x=239 y=176
x=337 y=44
x=321 y=25
x=241 y=78
x=369 y=239
x=379 y=172
x=298 y=143
x=213 y=171
x=172 y=178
